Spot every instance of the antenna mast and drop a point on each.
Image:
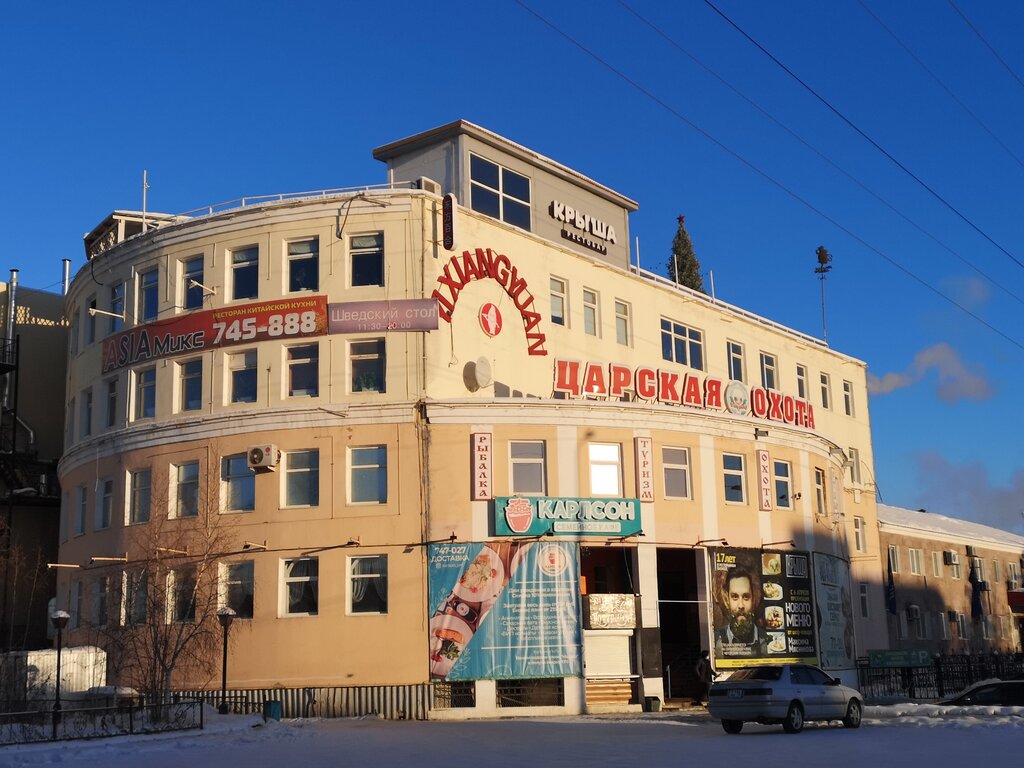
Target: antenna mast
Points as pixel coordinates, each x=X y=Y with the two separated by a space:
x=823 y=268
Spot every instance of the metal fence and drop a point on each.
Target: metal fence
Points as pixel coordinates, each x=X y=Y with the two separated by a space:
x=393 y=702
x=98 y=722
x=946 y=676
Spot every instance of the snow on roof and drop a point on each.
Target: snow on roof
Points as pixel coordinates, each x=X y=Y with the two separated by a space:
x=947 y=526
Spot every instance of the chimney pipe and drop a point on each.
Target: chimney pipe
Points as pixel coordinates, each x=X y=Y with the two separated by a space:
x=65 y=282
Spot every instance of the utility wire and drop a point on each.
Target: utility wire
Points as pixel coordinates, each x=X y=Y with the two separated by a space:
x=763 y=174
x=986 y=43
x=996 y=283
x=864 y=135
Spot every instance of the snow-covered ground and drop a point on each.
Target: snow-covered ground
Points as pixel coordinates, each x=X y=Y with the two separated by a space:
x=912 y=734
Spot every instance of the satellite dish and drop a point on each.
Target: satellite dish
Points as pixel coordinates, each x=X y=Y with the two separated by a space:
x=482 y=373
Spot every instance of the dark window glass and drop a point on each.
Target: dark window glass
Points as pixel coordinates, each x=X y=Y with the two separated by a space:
x=483 y=172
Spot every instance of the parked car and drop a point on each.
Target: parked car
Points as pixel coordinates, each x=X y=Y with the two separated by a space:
x=994 y=693
x=790 y=694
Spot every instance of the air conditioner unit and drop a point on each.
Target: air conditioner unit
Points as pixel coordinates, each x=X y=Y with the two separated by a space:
x=949 y=557
x=970 y=551
x=263 y=457
x=951 y=615
x=1012 y=584
x=984 y=586
x=429 y=185
x=914 y=612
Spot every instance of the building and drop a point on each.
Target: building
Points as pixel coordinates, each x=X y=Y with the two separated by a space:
x=956 y=585
x=440 y=435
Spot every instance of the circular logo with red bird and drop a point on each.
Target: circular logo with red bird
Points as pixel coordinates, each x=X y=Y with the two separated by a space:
x=490 y=319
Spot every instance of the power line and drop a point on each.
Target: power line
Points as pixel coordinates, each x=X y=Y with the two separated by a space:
x=986 y=43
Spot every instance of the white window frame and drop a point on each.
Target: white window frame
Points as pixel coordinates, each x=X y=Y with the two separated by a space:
x=190 y=292
x=134 y=512
x=559 y=296
x=81 y=511
x=623 y=323
x=820 y=497
x=117 y=305
x=735 y=361
x=860 y=534
x=524 y=459
x=733 y=473
x=826 y=390
x=353 y=565
x=916 y=561
x=864 y=594
x=801 y=381
x=100 y=608
x=291 y=474
x=145 y=383
x=692 y=340
x=147 y=296
x=894 y=557
x=854 y=456
x=769 y=371
x=133 y=583
x=243 y=573
x=372 y=245
x=310 y=361
x=242 y=363
x=235 y=267
x=504 y=198
x=676 y=464
x=358 y=353
x=937 y=564
x=76 y=599
x=183 y=486
x=186 y=375
x=591 y=312
x=782 y=500
x=295 y=260
x=605 y=463
x=943 y=625
x=287 y=580
x=848 y=406
x=173 y=601
x=358 y=463
x=104 y=504
x=113 y=415
x=962 y=632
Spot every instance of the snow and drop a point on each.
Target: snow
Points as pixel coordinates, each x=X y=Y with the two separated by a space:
x=920 y=734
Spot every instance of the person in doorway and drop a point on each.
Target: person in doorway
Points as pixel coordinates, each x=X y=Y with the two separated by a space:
x=740 y=634
x=705 y=676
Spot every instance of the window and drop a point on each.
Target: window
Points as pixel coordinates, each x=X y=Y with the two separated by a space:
x=860 y=534
x=302 y=478
x=369 y=475
x=1013 y=572
x=801 y=381
x=104 y=503
x=894 y=558
x=591 y=313
x=86 y=403
x=187 y=496
x=81 y=507
x=995 y=571
x=826 y=391
x=961 y=627
x=499 y=193
x=367 y=252
x=675 y=463
x=954 y=570
x=819 y=492
x=937 y=564
x=768 y=377
x=181 y=587
x=528 y=467
x=368 y=584
x=116 y=307
x=138 y=507
x=245 y=267
x=605 y=469
x=783 y=474
x=238 y=483
x=135 y=598
x=90 y=319
x=734 y=361
x=73 y=332
x=916 y=561
x=237 y=588
x=368 y=365
x=112 y=403
x=623 y=326
x=848 y=397
x=304 y=370
x=192 y=293
x=145 y=393
x=901 y=625
x=979 y=568
x=733 y=477
x=242 y=372
x=304 y=265
x=76 y=604
x=854 y=456
x=191 y=378
x=149 y=295
x=864 y=601
x=69 y=422
x=943 y=624
x=916 y=618
x=559 y=302
x=301 y=586
x=681 y=344
x=100 y=601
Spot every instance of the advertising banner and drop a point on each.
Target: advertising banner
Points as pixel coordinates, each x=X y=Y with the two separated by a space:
x=538 y=515
x=380 y=316
x=504 y=610
x=834 y=612
x=762 y=610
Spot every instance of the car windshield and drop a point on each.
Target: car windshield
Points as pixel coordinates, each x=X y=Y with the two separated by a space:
x=757 y=673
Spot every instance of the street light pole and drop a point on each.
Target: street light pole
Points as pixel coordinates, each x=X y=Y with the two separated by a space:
x=60 y=620
x=225 y=616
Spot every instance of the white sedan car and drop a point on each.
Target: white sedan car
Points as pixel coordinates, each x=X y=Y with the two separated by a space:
x=790 y=694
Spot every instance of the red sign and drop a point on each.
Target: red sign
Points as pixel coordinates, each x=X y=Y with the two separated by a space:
x=490 y=319
x=216 y=328
x=764 y=481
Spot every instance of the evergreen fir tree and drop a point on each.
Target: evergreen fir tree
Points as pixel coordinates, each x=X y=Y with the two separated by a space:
x=683 y=266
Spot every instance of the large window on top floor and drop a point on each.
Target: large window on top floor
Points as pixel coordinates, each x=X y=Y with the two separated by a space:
x=367 y=256
x=245 y=266
x=499 y=193
x=682 y=344
x=304 y=265
x=149 y=295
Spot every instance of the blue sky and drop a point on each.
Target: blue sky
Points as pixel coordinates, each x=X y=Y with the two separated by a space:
x=226 y=99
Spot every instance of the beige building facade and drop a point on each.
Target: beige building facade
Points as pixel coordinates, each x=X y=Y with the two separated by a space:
x=442 y=434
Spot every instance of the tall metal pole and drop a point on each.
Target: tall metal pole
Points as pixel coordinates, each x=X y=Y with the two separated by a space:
x=224 y=674
x=823 y=268
x=60 y=620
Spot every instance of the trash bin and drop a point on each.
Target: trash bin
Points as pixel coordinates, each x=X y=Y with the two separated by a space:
x=271 y=710
x=652 y=704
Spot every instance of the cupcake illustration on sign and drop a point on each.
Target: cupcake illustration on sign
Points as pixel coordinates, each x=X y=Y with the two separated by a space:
x=519 y=515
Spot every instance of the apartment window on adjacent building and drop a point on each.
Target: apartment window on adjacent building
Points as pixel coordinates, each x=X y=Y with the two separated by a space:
x=190 y=378
x=733 y=477
x=302 y=478
x=961 y=627
x=943 y=624
x=826 y=391
x=135 y=598
x=681 y=344
x=69 y=422
x=192 y=292
x=148 y=295
x=916 y=561
x=73 y=332
x=104 y=503
x=860 y=534
x=145 y=393
x=768 y=371
x=100 y=601
x=367 y=254
x=675 y=463
x=367 y=361
x=245 y=269
x=140 y=483
x=854 y=457
x=995 y=571
x=559 y=302
x=916 y=620
x=86 y=403
x=894 y=558
x=848 y=398
x=304 y=370
x=783 y=473
x=368 y=584
x=369 y=474
x=181 y=586
x=90 y=319
x=801 y=381
x=1013 y=575
x=116 y=307
x=499 y=193
x=605 y=469
x=112 y=414
x=591 y=313
x=864 y=601
x=242 y=373
x=819 y=492
x=187 y=490
x=304 y=265
x=954 y=569
x=979 y=568
x=76 y=604
x=623 y=326
x=238 y=483
x=734 y=360
x=901 y=625
x=937 y=564
x=81 y=506
x=237 y=588
x=528 y=469
x=301 y=586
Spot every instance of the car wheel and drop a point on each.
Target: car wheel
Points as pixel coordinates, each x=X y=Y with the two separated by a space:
x=732 y=726
x=853 y=714
x=794 y=722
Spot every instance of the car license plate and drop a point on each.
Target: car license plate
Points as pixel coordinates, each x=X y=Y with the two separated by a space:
x=736 y=693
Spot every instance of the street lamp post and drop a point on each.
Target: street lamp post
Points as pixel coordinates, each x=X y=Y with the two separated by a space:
x=225 y=616
x=60 y=620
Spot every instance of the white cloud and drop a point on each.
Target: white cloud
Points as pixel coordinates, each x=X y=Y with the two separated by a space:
x=955 y=381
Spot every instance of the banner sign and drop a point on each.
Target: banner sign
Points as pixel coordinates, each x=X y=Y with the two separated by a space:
x=503 y=610
x=216 y=328
x=644 y=467
x=765 y=491
x=834 y=611
x=762 y=608
x=482 y=462
x=538 y=515
x=904 y=658
x=380 y=316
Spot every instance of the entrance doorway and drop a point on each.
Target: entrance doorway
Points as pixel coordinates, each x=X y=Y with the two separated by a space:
x=679 y=614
